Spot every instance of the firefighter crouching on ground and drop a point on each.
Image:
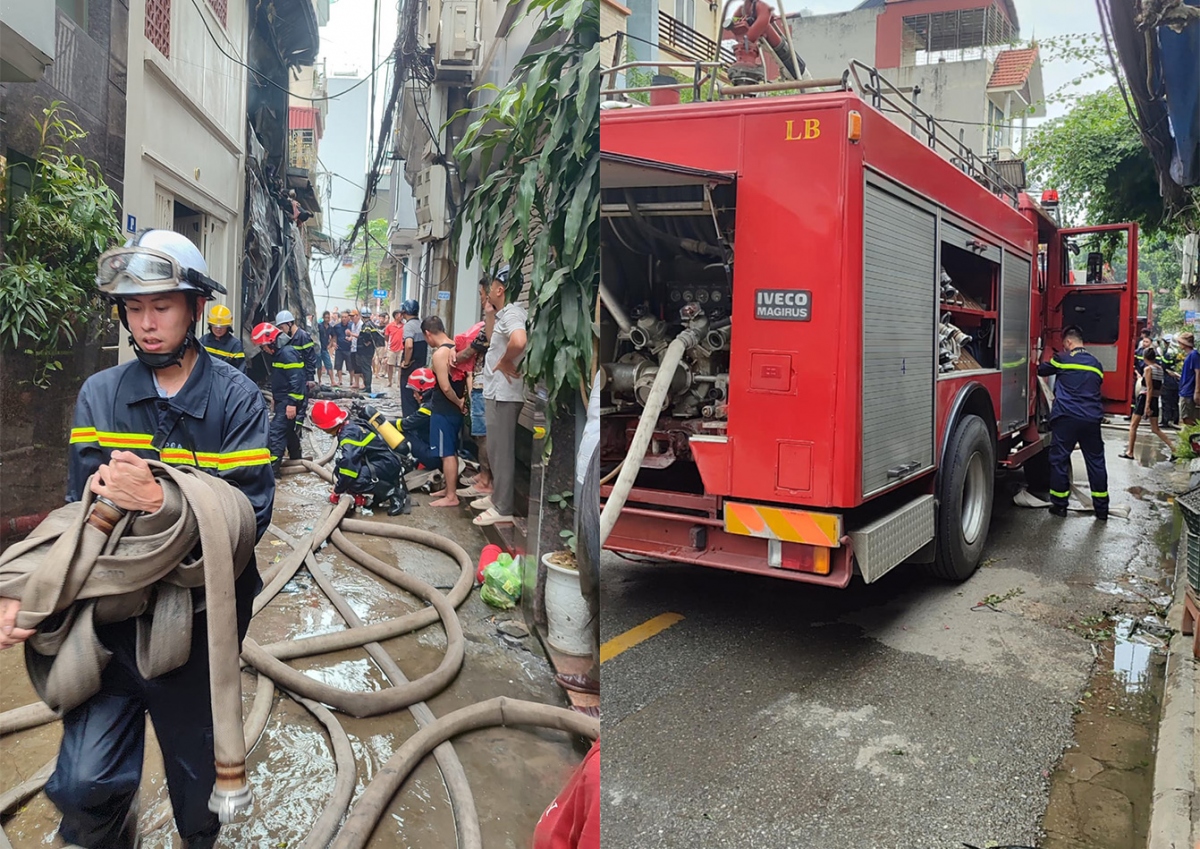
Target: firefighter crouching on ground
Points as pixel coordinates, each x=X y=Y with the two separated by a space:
x=220 y=340
x=365 y=465
x=1075 y=419
x=177 y=404
x=302 y=343
x=287 y=392
x=415 y=426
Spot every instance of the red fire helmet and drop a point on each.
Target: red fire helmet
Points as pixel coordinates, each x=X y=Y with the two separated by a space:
x=327 y=415
x=264 y=334
x=422 y=379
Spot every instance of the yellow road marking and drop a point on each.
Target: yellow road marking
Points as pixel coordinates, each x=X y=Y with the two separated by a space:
x=640 y=634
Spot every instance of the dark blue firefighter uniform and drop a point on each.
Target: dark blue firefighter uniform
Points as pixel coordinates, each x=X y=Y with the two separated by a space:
x=303 y=344
x=1075 y=419
x=366 y=465
x=287 y=388
x=226 y=348
x=218 y=422
x=415 y=428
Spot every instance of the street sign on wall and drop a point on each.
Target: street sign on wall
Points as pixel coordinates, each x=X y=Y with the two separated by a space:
x=379 y=293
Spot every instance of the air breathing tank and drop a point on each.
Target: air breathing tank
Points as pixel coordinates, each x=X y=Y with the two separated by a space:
x=383 y=427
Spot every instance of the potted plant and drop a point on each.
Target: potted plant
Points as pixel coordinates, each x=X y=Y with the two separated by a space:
x=567 y=614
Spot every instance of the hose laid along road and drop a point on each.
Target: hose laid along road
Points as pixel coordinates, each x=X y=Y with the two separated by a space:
x=433 y=734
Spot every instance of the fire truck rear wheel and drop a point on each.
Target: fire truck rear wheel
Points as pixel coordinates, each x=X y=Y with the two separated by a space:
x=965 y=501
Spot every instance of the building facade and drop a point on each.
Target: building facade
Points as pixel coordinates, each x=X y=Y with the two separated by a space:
x=185 y=128
x=958 y=59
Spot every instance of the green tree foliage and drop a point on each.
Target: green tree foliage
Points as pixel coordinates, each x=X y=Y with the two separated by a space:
x=368 y=254
x=537 y=145
x=1094 y=157
x=56 y=232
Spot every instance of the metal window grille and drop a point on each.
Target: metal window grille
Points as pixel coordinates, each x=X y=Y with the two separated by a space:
x=679 y=38
x=158 y=25
x=220 y=9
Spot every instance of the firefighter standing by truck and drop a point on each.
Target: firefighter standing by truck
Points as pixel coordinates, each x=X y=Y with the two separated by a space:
x=220 y=341
x=288 y=389
x=1075 y=419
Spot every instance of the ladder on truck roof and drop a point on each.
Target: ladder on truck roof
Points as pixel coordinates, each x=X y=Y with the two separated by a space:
x=876 y=89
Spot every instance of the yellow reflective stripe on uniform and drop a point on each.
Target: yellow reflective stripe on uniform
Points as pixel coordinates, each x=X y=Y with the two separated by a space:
x=1076 y=366
x=83 y=434
x=144 y=441
x=288 y=365
x=294 y=395
x=1099 y=495
x=361 y=443
x=347 y=473
x=233 y=355
x=235 y=459
x=303 y=347
x=179 y=456
x=1060 y=494
x=109 y=439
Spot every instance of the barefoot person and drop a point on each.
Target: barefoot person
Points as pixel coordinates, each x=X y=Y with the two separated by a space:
x=447 y=407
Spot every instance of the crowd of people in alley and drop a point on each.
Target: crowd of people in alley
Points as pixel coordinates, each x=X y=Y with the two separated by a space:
x=456 y=393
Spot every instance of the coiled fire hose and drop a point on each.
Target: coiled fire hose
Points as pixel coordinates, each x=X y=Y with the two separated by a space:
x=433 y=735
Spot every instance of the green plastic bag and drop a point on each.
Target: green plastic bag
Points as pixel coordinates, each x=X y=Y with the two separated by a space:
x=502 y=583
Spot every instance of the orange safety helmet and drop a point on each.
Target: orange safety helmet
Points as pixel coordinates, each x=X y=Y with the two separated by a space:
x=327 y=415
x=422 y=380
x=264 y=334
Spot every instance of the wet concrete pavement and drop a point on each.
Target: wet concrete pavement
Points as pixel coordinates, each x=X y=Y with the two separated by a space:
x=892 y=715
x=514 y=773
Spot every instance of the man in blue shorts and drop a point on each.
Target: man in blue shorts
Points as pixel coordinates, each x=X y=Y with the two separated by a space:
x=447 y=405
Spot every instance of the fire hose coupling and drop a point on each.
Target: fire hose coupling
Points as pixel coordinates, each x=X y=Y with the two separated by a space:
x=231 y=794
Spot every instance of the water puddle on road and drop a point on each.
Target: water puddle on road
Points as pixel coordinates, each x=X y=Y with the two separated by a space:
x=1100 y=793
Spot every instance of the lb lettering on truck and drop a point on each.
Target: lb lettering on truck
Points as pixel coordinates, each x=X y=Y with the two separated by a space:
x=821 y=325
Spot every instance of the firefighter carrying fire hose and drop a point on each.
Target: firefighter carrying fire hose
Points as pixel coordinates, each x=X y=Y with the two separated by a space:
x=177 y=404
x=366 y=464
x=1075 y=419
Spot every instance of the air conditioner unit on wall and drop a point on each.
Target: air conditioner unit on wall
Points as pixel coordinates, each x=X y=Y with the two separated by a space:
x=431 y=23
x=429 y=195
x=457 y=40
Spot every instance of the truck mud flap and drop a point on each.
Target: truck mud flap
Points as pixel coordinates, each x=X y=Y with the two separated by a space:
x=889 y=541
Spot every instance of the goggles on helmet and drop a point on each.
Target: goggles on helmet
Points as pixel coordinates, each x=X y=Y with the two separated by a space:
x=132 y=271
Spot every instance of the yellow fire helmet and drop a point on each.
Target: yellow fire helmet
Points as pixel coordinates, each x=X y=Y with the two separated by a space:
x=219 y=315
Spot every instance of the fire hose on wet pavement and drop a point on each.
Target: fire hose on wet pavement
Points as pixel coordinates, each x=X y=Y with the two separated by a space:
x=268 y=661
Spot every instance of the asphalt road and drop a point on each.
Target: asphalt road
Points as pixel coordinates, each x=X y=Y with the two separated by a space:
x=777 y=714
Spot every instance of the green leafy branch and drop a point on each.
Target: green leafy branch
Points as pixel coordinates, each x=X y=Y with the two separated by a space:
x=57 y=230
x=537 y=148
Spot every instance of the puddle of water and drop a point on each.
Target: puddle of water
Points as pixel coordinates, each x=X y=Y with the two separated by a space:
x=1131 y=658
x=361 y=675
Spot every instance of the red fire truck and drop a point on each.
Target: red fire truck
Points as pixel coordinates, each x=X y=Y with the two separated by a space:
x=820 y=333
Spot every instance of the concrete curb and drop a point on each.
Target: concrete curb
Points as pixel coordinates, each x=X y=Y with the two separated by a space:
x=1174 y=770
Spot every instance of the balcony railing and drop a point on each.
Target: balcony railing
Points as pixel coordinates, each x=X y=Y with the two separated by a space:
x=678 y=37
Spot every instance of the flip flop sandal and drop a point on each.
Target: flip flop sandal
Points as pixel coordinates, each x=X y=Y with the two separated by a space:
x=473 y=492
x=491 y=517
x=1125 y=456
x=484 y=503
